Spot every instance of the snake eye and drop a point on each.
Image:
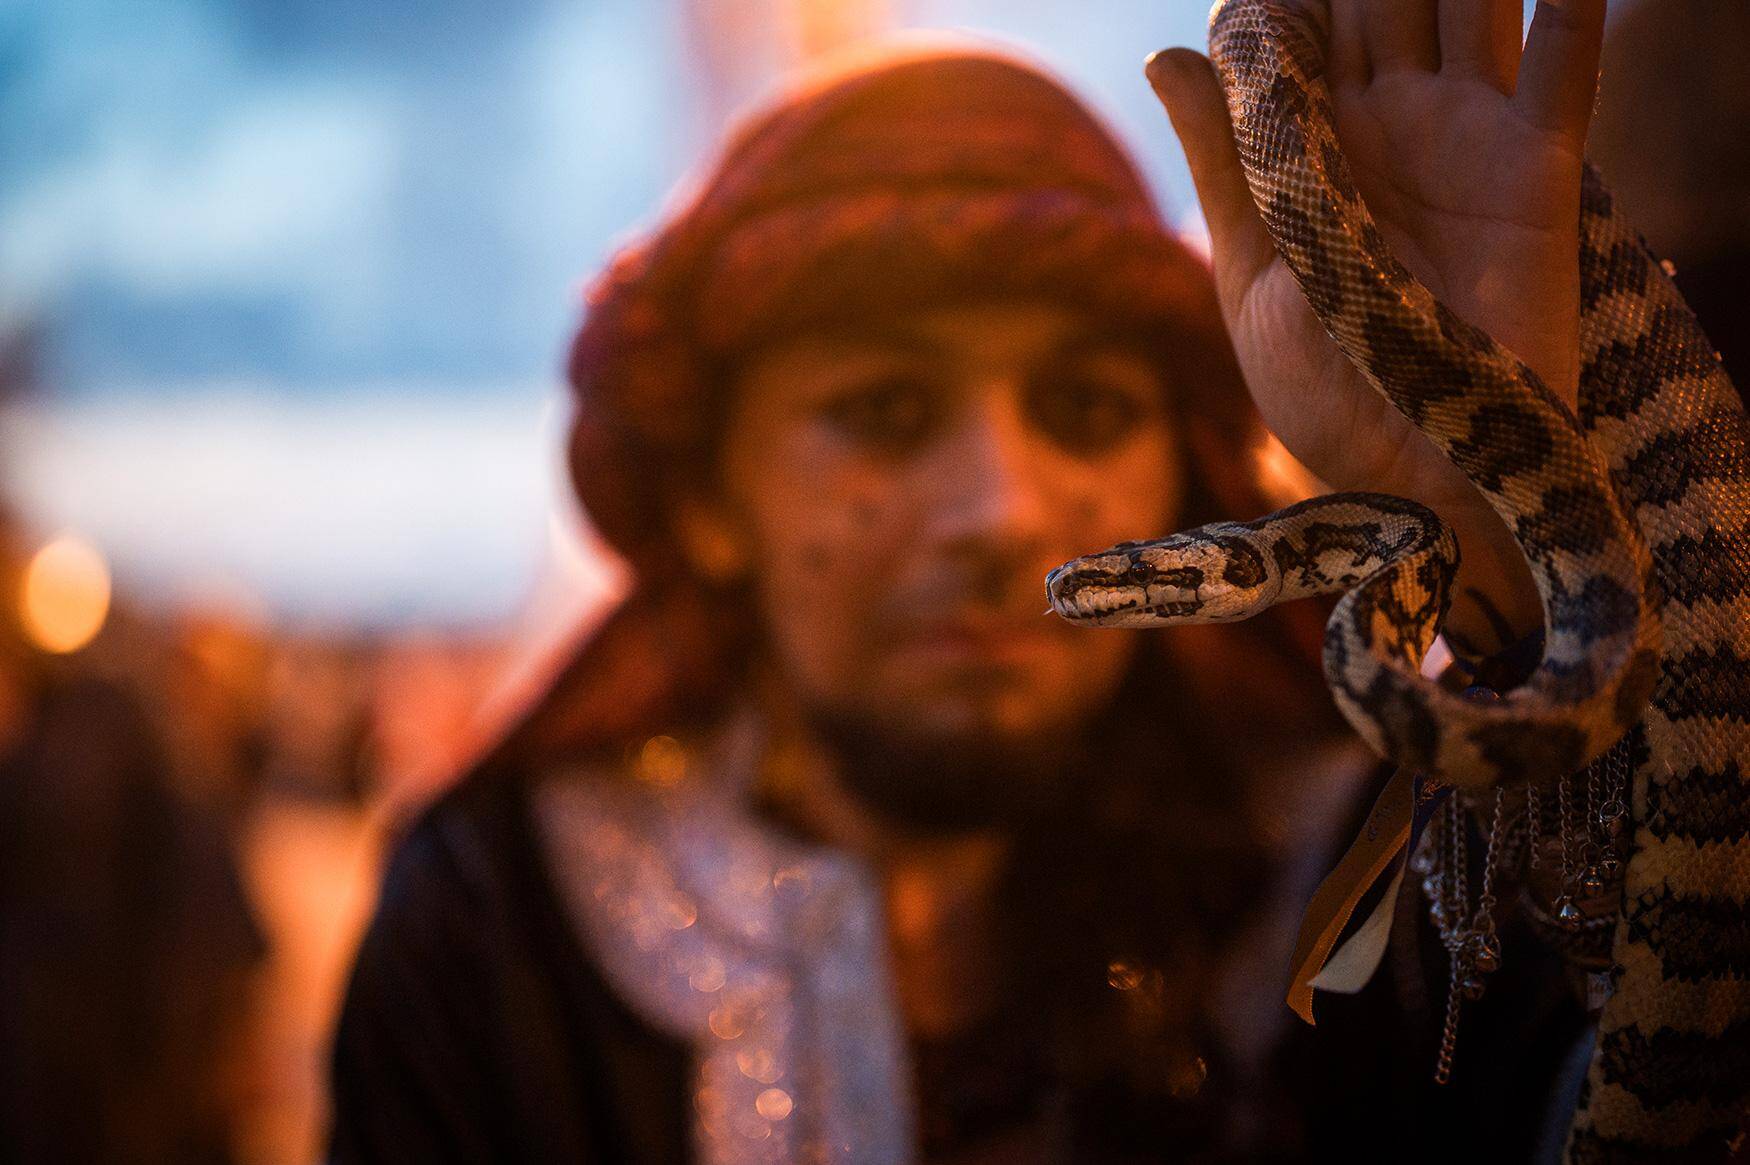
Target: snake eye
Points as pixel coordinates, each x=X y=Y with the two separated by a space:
x=1140 y=573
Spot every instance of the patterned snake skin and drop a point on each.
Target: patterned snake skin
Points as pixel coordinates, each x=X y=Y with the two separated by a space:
x=1633 y=517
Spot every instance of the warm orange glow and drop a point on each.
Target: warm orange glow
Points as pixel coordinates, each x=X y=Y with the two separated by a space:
x=726 y=1023
x=759 y=1064
x=662 y=761
x=66 y=595
x=825 y=26
x=1124 y=975
x=1284 y=479
x=680 y=912
x=774 y=1104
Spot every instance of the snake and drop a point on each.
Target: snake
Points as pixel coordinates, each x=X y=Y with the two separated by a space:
x=1631 y=510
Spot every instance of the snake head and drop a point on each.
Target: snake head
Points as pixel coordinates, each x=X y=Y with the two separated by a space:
x=1134 y=584
x=1200 y=577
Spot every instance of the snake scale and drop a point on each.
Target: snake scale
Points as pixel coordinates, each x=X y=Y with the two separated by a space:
x=1632 y=514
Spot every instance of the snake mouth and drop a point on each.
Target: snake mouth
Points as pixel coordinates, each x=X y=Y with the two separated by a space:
x=1122 y=587
x=1081 y=599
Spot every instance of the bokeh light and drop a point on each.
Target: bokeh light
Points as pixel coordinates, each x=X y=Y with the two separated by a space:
x=65 y=597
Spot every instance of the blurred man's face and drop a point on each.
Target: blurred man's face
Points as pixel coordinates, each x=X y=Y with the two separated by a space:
x=902 y=489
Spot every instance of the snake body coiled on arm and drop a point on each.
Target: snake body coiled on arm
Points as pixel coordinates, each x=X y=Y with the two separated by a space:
x=1633 y=517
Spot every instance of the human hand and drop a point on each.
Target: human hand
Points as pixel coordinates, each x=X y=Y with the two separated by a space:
x=1468 y=150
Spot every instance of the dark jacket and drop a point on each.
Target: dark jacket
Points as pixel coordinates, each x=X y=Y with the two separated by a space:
x=476 y=1029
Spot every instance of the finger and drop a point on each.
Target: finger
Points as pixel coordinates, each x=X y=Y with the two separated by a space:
x=1558 y=75
x=1481 y=38
x=1348 y=65
x=1401 y=35
x=1187 y=85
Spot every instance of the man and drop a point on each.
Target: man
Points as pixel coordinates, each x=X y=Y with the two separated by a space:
x=830 y=845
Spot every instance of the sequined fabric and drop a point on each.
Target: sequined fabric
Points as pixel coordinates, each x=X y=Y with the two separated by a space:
x=765 y=954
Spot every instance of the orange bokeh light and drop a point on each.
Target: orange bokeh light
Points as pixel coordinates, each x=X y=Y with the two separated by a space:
x=65 y=598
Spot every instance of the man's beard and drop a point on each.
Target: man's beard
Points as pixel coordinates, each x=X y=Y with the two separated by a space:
x=943 y=786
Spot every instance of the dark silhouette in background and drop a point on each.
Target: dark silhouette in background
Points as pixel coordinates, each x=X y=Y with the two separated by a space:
x=1672 y=137
x=127 y=947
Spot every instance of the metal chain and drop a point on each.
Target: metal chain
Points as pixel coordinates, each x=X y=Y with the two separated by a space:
x=1472 y=945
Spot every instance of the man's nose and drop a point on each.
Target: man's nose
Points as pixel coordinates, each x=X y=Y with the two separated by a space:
x=994 y=487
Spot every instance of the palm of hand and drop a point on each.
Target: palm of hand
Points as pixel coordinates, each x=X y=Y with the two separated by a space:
x=1481 y=206
x=1466 y=143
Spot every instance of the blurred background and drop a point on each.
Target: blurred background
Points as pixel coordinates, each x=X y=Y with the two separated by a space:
x=285 y=287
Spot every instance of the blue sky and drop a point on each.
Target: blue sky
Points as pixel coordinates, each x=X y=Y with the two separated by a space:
x=307 y=197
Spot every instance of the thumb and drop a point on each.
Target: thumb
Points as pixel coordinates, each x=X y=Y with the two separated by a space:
x=1187 y=85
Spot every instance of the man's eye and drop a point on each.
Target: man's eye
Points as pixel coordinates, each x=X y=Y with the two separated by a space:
x=890 y=415
x=1086 y=414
